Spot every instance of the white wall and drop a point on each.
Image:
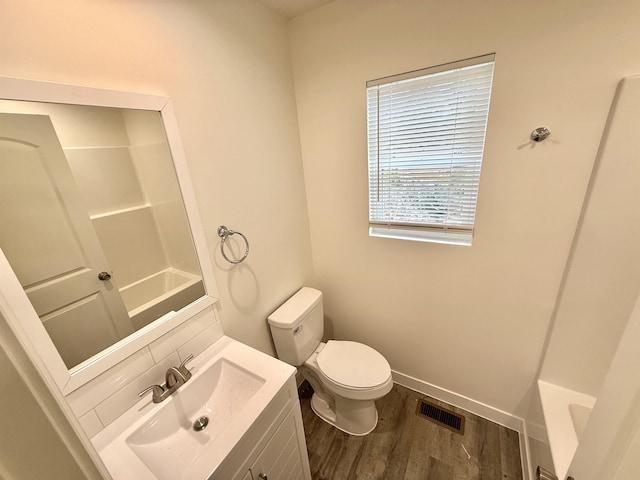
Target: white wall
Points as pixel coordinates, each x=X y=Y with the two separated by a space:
x=471 y=320
x=226 y=66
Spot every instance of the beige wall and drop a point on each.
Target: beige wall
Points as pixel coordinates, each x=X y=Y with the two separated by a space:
x=602 y=280
x=630 y=462
x=26 y=430
x=30 y=446
x=226 y=65
x=471 y=320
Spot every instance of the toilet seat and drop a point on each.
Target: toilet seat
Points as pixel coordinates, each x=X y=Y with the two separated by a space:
x=353 y=365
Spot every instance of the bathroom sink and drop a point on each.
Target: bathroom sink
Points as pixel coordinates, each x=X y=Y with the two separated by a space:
x=167 y=440
x=231 y=385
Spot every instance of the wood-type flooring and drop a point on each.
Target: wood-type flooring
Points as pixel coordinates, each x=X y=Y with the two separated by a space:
x=405 y=446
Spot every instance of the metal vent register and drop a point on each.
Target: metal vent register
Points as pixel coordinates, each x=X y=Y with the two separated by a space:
x=441 y=416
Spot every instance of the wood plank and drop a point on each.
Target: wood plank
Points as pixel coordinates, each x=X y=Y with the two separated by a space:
x=405 y=446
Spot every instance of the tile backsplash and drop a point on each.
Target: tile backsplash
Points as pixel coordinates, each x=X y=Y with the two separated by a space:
x=100 y=401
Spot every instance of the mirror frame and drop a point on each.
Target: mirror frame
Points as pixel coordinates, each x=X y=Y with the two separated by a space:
x=14 y=303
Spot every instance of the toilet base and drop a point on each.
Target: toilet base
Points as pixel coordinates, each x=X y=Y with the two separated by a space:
x=355 y=417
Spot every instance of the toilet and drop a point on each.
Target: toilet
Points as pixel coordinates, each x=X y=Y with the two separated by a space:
x=347 y=377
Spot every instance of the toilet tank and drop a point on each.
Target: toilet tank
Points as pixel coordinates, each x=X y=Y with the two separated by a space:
x=297 y=326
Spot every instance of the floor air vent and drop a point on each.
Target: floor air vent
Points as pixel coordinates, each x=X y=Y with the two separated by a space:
x=441 y=416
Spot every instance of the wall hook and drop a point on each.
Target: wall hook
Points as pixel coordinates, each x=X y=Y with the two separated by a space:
x=539 y=134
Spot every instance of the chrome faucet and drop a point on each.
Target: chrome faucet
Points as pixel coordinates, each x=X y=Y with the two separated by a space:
x=174 y=378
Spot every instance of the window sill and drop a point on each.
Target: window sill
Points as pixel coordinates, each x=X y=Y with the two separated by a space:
x=419 y=235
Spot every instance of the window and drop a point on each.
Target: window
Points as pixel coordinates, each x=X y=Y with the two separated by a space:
x=426 y=133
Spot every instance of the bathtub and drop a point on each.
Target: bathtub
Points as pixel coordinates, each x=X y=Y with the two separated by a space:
x=156 y=295
x=566 y=413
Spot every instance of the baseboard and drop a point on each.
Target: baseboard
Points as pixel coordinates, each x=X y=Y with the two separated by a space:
x=477 y=408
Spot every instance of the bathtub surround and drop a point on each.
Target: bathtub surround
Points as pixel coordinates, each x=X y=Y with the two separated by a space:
x=601 y=282
x=595 y=315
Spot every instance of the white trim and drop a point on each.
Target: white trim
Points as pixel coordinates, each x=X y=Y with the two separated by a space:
x=528 y=472
x=421 y=235
x=477 y=408
x=488 y=58
x=38 y=91
x=189 y=198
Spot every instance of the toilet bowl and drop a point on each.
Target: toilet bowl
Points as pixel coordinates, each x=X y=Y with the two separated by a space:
x=347 y=377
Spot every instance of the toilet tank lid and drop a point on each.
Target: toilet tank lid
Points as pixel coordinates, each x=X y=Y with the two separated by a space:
x=296 y=308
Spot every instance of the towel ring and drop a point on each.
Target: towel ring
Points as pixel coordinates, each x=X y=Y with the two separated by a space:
x=223 y=233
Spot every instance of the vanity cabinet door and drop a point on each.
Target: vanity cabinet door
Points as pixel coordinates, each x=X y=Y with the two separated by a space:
x=282 y=458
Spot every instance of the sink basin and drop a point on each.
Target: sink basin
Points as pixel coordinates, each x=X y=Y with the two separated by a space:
x=231 y=384
x=167 y=440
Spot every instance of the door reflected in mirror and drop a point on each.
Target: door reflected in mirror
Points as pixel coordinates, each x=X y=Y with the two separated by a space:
x=93 y=222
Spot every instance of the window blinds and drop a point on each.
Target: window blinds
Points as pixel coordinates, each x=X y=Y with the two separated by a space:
x=426 y=133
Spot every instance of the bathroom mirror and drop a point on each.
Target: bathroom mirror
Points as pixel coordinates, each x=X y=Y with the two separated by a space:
x=99 y=226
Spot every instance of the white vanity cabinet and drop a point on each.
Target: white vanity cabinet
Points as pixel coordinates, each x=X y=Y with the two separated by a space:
x=285 y=456
x=274 y=447
x=253 y=424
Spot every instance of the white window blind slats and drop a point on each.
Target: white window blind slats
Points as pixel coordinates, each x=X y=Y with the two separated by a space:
x=425 y=142
x=434 y=107
x=453 y=130
x=444 y=130
x=396 y=115
x=415 y=148
x=421 y=102
x=435 y=114
x=454 y=78
x=459 y=93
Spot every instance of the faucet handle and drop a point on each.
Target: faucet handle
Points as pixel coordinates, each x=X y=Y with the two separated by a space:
x=188 y=359
x=158 y=391
x=184 y=370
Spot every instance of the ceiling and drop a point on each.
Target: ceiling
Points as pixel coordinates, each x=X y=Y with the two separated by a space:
x=293 y=8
